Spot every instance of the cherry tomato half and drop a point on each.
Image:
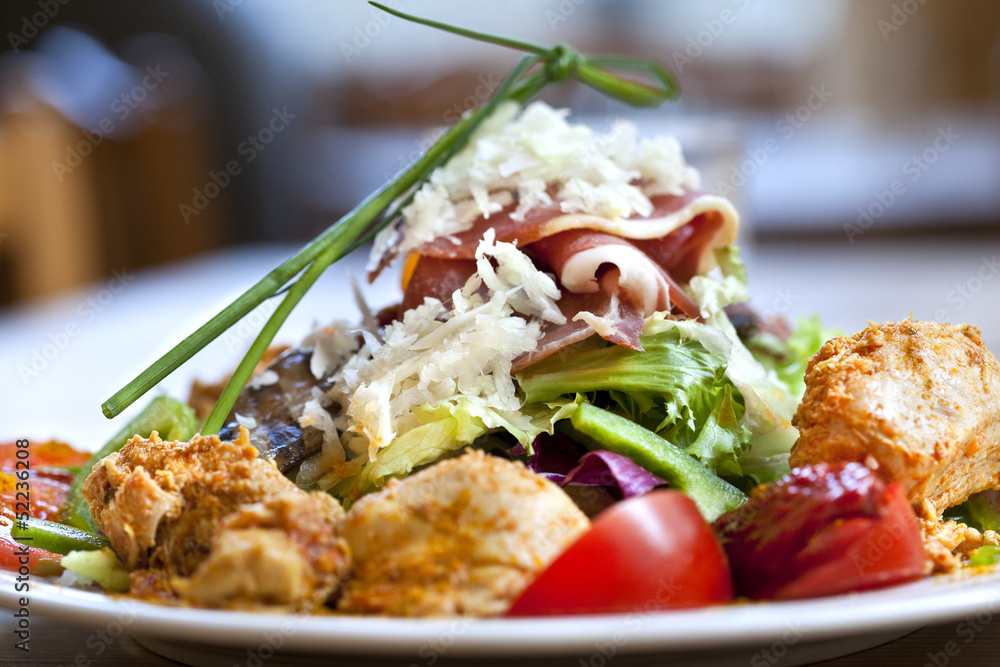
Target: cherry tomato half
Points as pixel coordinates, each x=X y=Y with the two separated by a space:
x=647 y=553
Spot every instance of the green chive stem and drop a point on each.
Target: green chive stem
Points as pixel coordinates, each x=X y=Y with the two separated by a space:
x=558 y=63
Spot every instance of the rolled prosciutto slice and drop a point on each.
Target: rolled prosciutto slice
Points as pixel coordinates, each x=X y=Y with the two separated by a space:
x=612 y=274
x=715 y=223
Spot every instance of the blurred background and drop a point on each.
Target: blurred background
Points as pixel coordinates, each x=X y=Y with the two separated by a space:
x=157 y=158
x=191 y=145
x=139 y=133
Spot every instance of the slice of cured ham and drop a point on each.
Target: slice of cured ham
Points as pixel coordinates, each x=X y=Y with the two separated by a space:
x=714 y=217
x=580 y=258
x=436 y=278
x=612 y=274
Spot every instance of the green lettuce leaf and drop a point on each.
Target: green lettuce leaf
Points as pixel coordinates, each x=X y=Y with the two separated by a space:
x=695 y=384
x=101 y=565
x=788 y=359
x=442 y=431
x=721 y=437
x=713 y=293
x=985 y=556
x=769 y=405
x=675 y=387
x=979 y=511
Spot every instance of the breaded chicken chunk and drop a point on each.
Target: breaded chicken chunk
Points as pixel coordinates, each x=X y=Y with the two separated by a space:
x=947 y=544
x=209 y=522
x=919 y=399
x=462 y=537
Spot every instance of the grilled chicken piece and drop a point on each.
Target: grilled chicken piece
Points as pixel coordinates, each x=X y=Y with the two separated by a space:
x=278 y=552
x=920 y=399
x=463 y=537
x=947 y=544
x=215 y=526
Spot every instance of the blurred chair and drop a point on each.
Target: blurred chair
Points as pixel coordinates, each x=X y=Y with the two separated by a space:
x=50 y=228
x=97 y=159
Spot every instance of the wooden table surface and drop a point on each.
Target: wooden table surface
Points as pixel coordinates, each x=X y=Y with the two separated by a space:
x=954 y=279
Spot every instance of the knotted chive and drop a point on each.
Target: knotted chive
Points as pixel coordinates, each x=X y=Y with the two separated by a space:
x=558 y=63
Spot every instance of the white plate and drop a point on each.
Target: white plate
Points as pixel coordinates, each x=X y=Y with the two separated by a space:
x=758 y=633
x=109 y=349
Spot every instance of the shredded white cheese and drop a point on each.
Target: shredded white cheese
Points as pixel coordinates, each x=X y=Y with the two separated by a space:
x=249 y=423
x=264 y=379
x=539 y=158
x=434 y=355
x=330 y=346
x=529 y=290
x=315 y=416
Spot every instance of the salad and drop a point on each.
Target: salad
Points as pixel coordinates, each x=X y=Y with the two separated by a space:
x=572 y=409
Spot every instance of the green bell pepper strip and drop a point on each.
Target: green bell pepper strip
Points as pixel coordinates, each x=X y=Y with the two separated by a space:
x=55 y=537
x=712 y=494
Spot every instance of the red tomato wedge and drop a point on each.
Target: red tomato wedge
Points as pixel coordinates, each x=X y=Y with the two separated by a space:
x=648 y=553
x=45 y=493
x=14 y=556
x=50 y=454
x=822 y=530
x=30 y=479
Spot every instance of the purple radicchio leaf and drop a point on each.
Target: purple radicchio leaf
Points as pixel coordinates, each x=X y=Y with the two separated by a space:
x=553 y=457
x=564 y=462
x=606 y=468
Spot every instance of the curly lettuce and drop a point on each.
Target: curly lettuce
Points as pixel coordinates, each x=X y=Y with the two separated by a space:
x=675 y=387
x=788 y=358
x=443 y=430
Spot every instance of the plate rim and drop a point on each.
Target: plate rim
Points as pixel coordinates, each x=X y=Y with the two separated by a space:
x=940 y=598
